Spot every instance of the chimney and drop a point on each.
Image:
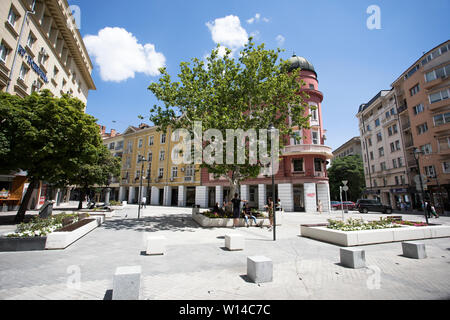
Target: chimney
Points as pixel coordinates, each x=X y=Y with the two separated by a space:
x=113 y=133
x=103 y=129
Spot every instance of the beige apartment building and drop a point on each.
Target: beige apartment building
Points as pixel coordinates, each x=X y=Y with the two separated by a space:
x=383 y=152
x=114 y=142
x=422 y=93
x=350 y=148
x=40 y=48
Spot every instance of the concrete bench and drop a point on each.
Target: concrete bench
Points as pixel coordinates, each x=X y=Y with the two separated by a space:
x=156 y=245
x=126 y=283
x=259 y=269
x=353 y=258
x=415 y=250
x=234 y=242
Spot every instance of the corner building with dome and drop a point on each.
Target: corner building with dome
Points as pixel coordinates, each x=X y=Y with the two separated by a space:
x=302 y=178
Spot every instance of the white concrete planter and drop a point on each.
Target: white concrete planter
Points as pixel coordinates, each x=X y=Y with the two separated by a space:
x=226 y=222
x=62 y=239
x=108 y=214
x=363 y=237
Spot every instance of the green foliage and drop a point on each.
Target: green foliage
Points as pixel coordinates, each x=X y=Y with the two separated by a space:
x=39 y=227
x=249 y=92
x=359 y=224
x=349 y=168
x=115 y=203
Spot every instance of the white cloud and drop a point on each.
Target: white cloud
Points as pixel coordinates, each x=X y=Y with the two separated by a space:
x=228 y=32
x=119 y=55
x=280 y=39
x=256 y=18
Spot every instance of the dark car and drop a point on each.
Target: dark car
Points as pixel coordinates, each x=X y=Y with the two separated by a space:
x=366 y=205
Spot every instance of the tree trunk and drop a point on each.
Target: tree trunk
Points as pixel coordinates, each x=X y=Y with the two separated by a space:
x=82 y=195
x=20 y=216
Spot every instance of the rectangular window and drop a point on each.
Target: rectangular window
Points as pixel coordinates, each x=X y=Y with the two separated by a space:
x=396 y=180
x=402 y=178
x=426 y=149
x=163 y=138
x=311 y=86
x=397 y=145
x=394 y=128
x=371 y=155
x=111 y=145
x=151 y=140
x=414 y=90
x=298 y=165
x=422 y=128
x=31 y=40
x=315 y=137
x=140 y=143
x=438 y=96
x=4 y=51
x=400 y=162
x=383 y=165
x=381 y=152
x=189 y=171
x=390 y=131
x=174 y=172
x=162 y=155
x=23 y=72
x=446 y=167
x=377 y=122
x=297 y=138
x=150 y=157
x=394 y=163
x=418 y=109
x=429 y=171
x=370 y=142
x=373 y=168
x=12 y=17
x=317 y=165
x=441 y=119
x=379 y=137
x=392 y=147
x=161 y=173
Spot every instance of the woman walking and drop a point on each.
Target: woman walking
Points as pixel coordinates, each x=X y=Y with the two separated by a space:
x=270 y=207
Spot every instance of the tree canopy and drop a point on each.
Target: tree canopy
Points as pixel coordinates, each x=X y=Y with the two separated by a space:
x=250 y=92
x=350 y=168
x=50 y=138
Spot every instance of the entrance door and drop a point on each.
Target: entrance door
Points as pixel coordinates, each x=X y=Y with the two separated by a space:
x=161 y=196
x=190 y=196
x=211 y=196
x=299 y=198
x=174 y=196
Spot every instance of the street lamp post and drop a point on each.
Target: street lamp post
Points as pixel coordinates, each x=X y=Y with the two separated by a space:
x=416 y=153
x=271 y=129
x=140 y=159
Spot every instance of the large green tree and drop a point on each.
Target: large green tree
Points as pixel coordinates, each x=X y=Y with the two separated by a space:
x=248 y=92
x=48 y=137
x=350 y=168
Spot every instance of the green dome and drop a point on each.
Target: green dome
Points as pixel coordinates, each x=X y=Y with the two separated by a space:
x=300 y=62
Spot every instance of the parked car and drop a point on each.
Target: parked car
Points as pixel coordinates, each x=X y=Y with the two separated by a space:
x=366 y=205
x=335 y=205
x=350 y=205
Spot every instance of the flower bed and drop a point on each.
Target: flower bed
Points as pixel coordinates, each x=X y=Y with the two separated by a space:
x=360 y=224
x=412 y=223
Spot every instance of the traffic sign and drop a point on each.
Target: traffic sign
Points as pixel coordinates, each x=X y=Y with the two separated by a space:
x=344 y=182
x=345 y=188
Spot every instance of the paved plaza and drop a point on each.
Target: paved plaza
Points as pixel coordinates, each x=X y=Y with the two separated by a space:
x=197 y=266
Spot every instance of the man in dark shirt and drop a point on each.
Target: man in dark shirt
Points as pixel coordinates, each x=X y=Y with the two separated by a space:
x=236 y=209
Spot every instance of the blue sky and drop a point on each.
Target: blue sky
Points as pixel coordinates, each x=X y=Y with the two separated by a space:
x=353 y=63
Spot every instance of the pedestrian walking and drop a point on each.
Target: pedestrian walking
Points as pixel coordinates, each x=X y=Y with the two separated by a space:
x=428 y=209
x=433 y=212
x=270 y=208
x=144 y=202
x=236 y=209
x=319 y=206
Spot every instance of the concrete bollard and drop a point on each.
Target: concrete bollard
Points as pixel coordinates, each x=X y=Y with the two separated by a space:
x=234 y=242
x=259 y=269
x=156 y=245
x=353 y=258
x=126 y=283
x=415 y=250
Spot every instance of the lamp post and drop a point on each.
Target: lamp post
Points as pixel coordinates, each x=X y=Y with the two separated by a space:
x=271 y=129
x=416 y=153
x=140 y=159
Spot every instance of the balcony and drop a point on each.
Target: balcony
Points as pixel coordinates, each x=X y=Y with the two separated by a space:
x=438 y=105
x=308 y=149
x=406 y=125
x=435 y=82
x=442 y=129
x=402 y=108
x=388 y=121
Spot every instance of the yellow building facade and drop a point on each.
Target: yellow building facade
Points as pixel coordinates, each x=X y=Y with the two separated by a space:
x=163 y=181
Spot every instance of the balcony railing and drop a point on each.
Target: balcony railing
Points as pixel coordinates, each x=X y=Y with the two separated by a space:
x=402 y=108
x=309 y=148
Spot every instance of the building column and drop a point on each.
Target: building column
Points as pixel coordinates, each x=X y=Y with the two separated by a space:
x=182 y=193
x=310 y=197
x=107 y=193
x=219 y=195
x=167 y=200
x=121 y=194
x=155 y=196
x=131 y=194
x=261 y=196
x=201 y=196
x=323 y=194
x=286 y=196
